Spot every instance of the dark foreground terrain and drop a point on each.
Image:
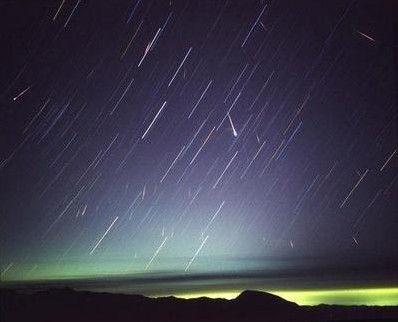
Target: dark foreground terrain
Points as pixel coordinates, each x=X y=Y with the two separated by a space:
x=70 y=305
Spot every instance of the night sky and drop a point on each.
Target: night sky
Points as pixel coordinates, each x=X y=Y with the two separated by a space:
x=193 y=137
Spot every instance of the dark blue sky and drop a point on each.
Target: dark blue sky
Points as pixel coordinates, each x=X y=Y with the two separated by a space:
x=197 y=136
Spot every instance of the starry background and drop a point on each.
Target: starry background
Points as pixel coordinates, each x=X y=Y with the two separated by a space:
x=198 y=137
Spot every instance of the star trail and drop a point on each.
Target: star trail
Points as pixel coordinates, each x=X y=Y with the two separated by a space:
x=143 y=137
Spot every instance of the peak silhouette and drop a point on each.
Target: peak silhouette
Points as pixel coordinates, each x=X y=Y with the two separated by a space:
x=264 y=297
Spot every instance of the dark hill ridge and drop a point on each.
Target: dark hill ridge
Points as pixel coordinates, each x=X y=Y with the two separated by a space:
x=69 y=305
x=265 y=300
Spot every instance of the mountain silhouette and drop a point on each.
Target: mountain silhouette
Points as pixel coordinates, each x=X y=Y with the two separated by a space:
x=66 y=304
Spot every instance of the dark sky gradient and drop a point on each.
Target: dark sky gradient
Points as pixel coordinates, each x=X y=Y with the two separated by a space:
x=198 y=136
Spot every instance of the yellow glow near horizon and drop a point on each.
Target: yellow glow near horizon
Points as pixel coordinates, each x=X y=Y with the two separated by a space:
x=368 y=296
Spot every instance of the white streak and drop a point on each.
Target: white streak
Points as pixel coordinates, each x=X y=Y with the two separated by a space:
x=172 y=164
x=70 y=16
x=124 y=93
x=154 y=120
x=103 y=236
x=232 y=126
x=131 y=40
x=149 y=46
x=196 y=254
x=226 y=168
x=252 y=160
x=156 y=253
x=201 y=147
x=214 y=217
x=200 y=98
x=355 y=240
x=6 y=269
x=59 y=9
x=353 y=189
x=179 y=67
x=20 y=94
x=37 y=115
x=255 y=23
x=388 y=160
x=366 y=36
x=230 y=109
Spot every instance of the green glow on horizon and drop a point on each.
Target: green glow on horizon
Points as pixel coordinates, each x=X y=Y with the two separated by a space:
x=372 y=296
x=229 y=288
x=368 y=296
x=74 y=270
